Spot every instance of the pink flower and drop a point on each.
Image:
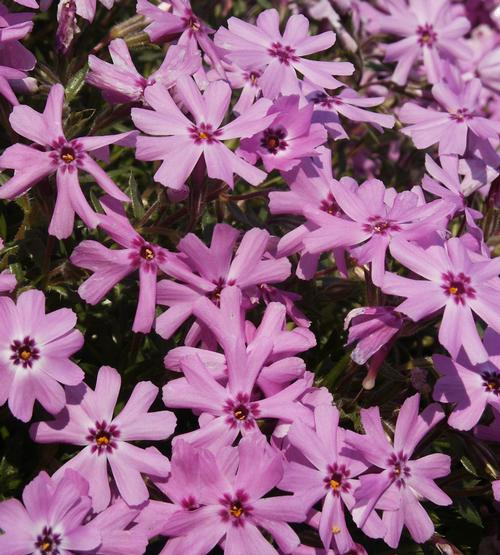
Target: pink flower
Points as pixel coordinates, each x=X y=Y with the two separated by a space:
x=15 y=59
x=376 y=217
x=233 y=507
x=50 y=519
x=456 y=126
x=350 y=105
x=180 y=143
x=205 y=271
x=112 y=265
x=121 y=82
x=402 y=482
x=469 y=387
x=262 y=47
x=181 y=23
x=290 y=138
x=327 y=475
x=455 y=280
x=431 y=33
x=88 y=421
x=35 y=348
x=53 y=153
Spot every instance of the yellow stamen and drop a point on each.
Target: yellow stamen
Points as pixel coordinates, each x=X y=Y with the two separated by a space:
x=148 y=254
x=68 y=158
x=334 y=484
x=46 y=546
x=453 y=290
x=202 y=135
x=236 y=511
x=240 y=414
x=335 y=529
x=25 y=354
x=102 y=440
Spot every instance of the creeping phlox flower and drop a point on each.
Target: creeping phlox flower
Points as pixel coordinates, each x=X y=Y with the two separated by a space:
x=173 y=132
x=112 y=265
x=53 y=153
x=403 y=481
x=50 y=521
x=280 y=367
x=15 y=59
x=376 y=216
x=87 y=420
x=458 y=126
x=121 y=82
x=279 y=56
x=34 y=354
x=329 y=476
x=469 y=387
x=205 y=271
x=291 y=137
x=455 y=280
x=231 y=507
x=431 y=33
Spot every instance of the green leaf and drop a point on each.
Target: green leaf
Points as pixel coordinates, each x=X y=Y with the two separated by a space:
x=137 y=207
x=76 y=83
x=467 y=510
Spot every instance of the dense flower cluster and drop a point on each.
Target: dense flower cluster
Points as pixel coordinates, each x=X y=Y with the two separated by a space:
x=251 y=449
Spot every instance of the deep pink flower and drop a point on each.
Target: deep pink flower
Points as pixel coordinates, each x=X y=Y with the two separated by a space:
x=50 y=519
x=112 y=265
x=121 y=82
x=402 y=482
x=469 y=387
x=459 y=124
x=35 y=350
x=377 y=216
x=15 y=59
x=290 y=138
x=53 y=153
x=262 y=47
x=180 y=142
x=430 y=33
x=329 y=476
x=205 y=271
x=88 y=421
x=455 y=280
x=233 y=508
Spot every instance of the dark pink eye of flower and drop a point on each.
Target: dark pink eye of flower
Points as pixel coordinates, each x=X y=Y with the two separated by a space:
x=458 y=287
x=204 y=132
x=65 y=154
x=378 y=225
x=330 y=206
x=147 y=252
x=337 y=478
x=102 y=437
x=426 y=35
x=191 y=22
x=189 y=503
x=241 y=412
x=285 y=54
x=47 y=542
x=273 y=140
x=24 y=352
x=252 y=77
x=235 y=508
x=325 y=100
x=491 y=382
x=399 y=469
x=461 y=115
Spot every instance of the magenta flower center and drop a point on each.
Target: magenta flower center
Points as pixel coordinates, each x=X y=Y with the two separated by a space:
x=378 y=225
x=102 y=437
x=189 y=503
x=399 y=469
x=147 y=253
x=330 y=206
x=337 y=478
x=325 y=100
x=235 y=508
x=24 y=352
x=47 y=542
x=67 y=154
x=491 y=382
x=252 y=77
x=204 y=133
x=273 y=140
x=461 y=115
x=191 y=22
x=285 y=54
x=426 y=35
x=241 y=412
x=457 y=287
